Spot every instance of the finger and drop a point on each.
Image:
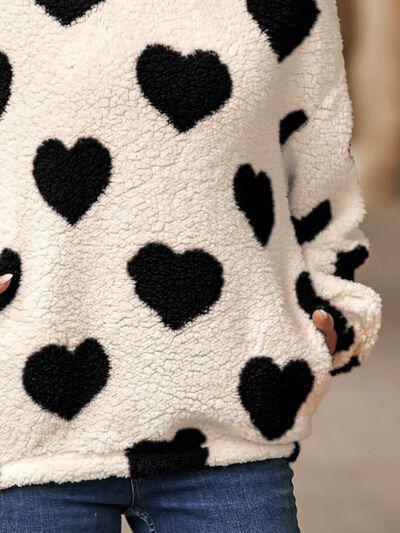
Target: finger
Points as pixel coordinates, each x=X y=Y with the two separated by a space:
x=323 y=320
x=5 y=281
x=325 y=323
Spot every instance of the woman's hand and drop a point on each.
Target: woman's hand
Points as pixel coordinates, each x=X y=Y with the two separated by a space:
x=325 y=323
x=5 y=281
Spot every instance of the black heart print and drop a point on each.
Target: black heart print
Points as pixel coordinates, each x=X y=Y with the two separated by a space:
x=285 y=22
x=291 y=123
x=185 y=451
x=254 y=196
x=67 y=11
x=179 y=287
x=272 y=396
x=348 y=262
x=5 y=82
x=311 y=225
x=64 y=382
x=72 y=180
x=353 y=362
x=184 y=88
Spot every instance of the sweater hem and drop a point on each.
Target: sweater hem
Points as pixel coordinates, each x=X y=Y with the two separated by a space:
x=76 y=467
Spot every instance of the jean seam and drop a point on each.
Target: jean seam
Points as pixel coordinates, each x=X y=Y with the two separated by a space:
x=132 y=493
x=135 y=507
x=146 y=518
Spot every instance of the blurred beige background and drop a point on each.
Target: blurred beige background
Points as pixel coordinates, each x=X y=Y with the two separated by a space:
x=372 y=49
x=347 y=478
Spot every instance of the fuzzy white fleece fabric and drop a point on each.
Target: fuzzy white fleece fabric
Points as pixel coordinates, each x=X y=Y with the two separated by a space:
x=177 y=197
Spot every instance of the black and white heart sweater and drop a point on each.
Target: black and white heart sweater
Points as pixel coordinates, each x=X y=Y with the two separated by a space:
x=177 y=198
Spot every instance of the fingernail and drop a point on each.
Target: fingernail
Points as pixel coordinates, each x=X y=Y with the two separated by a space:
x=5 y=278
x=323 y=313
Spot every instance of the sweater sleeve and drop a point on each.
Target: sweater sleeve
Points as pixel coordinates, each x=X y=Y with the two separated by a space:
x=327 y=207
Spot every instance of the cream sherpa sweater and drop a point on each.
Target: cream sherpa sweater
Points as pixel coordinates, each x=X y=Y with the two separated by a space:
x=177 y=197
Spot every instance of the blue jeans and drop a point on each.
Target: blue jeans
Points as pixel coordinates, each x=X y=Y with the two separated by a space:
x=248 y=498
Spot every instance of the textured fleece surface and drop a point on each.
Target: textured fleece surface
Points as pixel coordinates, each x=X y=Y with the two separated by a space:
x=177 y=197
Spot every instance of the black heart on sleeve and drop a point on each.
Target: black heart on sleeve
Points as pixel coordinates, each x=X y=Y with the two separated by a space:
x=254 y=197
x=311 y=225
x=348 y=262
x=291 y=123
x=285 y=22
x=5 y=82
